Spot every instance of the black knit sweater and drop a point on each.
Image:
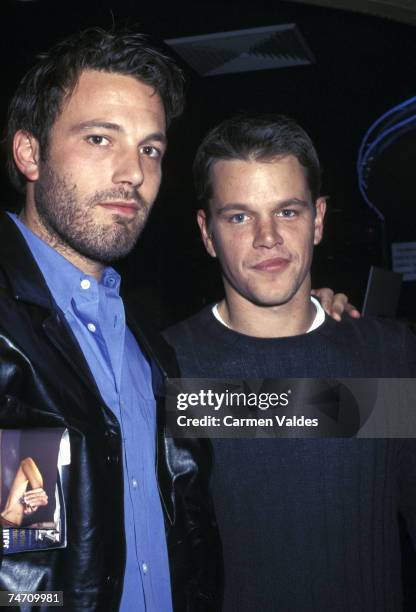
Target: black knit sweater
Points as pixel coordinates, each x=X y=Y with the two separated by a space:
x=308 y=525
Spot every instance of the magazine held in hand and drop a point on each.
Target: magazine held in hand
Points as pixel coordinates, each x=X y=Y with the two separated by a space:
x=32 y=507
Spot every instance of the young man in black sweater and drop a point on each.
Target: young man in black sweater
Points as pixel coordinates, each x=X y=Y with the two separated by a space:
x=307 y=525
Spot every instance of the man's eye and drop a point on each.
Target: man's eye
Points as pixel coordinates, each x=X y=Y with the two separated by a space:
x=238 y=218
x=99 y=141
x=288 y=213
x=150 y=151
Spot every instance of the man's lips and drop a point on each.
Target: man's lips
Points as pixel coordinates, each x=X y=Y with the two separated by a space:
x=271 y=265
x=121 y=207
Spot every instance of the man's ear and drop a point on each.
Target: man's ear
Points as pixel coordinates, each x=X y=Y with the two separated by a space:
x=26 y=154
x=206 y=234
x=320 y=207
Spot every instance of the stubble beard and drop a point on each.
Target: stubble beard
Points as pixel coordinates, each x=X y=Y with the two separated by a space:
x=69 y=221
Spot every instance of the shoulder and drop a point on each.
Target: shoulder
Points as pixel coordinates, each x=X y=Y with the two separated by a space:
x=195 y=328
x=369 y=328
x=378 y=340
x=196 y=343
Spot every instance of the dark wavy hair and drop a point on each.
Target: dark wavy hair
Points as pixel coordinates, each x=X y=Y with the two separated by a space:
x=254 y=137
x=42 y=91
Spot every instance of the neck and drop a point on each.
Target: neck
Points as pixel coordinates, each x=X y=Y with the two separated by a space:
x=86 y=265
x=290 y=319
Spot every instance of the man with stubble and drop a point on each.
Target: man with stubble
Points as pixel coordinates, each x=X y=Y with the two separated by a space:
x=86 y=137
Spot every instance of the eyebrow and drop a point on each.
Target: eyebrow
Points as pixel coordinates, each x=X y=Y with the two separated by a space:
x=115 y=127
x=246 y=207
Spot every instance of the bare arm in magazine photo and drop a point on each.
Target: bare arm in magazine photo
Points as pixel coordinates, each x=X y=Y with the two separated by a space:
x=20 y=501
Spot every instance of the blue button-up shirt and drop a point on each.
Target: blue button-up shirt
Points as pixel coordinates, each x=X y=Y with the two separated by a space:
x=95 y=313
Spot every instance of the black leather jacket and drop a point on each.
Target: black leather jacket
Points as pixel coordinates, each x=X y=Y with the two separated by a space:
x=45 y=381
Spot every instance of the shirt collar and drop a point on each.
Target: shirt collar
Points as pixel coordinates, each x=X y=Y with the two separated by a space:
x=318 y=319
x=62 y=277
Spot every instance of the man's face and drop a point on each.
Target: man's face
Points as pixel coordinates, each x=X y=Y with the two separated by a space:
x=263 y=227
x=102 y=173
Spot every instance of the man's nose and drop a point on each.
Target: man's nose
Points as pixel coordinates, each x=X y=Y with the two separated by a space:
x=129 y=169
x=267 y=233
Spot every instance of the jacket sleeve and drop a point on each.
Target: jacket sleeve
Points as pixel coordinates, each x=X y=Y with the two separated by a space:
x=193 y=539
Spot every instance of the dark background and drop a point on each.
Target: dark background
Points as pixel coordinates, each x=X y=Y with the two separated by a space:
x=364 y=66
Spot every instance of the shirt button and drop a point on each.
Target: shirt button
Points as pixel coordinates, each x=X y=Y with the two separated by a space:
x=85 y=283
x=134 y=483
x=91 y=327
x=145 y=568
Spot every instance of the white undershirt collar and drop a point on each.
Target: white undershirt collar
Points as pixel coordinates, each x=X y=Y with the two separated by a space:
x=318 y=319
